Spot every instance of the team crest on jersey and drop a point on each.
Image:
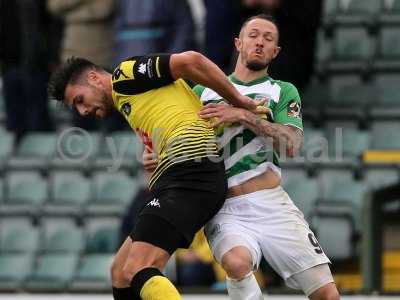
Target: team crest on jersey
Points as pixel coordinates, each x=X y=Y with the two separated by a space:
x=294 y=109
x=126 y=108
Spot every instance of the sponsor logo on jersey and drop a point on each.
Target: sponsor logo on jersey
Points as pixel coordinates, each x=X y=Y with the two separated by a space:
x=142 y=68
x=155 y=202
x=294 y=109
x=126 y=108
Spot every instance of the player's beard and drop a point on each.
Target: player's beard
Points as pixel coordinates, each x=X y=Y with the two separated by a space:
x=256 y=65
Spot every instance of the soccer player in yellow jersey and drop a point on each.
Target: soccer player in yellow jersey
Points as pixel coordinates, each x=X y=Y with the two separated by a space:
x=188 y=186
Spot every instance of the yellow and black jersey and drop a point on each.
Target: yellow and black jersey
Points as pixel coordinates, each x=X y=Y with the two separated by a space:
x=163 y=111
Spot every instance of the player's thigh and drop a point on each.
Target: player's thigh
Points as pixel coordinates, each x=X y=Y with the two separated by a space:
x=316 y=282
x=228 y=236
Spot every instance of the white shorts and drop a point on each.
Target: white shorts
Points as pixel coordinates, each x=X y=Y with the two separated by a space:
x=269 y=224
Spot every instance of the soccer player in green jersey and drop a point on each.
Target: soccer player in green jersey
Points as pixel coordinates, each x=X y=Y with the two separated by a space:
x=259 y=219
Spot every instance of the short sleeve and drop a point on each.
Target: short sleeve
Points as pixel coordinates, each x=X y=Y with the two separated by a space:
x=288 y=109
x=140 y=74
x=198 y=90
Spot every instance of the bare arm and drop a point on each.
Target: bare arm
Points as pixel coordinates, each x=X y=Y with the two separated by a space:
x=285 y=137
x=199 y=69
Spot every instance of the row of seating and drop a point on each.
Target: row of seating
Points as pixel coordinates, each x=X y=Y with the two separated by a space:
x=55 y=272
x=361 y=11
x=57 y=253
x=66 y=193
x=43 y=151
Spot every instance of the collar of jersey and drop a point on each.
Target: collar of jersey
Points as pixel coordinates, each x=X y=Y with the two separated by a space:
x=235 y=80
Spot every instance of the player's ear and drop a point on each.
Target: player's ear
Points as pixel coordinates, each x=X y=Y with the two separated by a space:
x=93 y=77
x=238 y=44
x=276 y=51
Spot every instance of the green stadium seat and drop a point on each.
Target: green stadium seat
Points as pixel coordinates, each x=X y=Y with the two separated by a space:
x=352 y=44
x=61 y=235
x=17 y=235
x=385 y=135
x=76 y=149
x=324 y=47
x=347 y=144
x=34 y=151
x=69 y=193
x=335 y=232
x=304 y=193
x=359 y=12
x=6 y=146
x=350 y=95
x=14 y=268
x=113 y=192
x=315 y=147
x=102 y=234
x=53 y=272
x=391 y=13
x=389 y=46
x=381 y=177
x=330 y=8
x=333 y=177
x=360 y=7
x=348 y=191
x=120 y=150
x=25 y=193
x=93 y=274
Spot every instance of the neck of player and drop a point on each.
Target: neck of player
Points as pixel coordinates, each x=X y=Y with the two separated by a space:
x=245 y=75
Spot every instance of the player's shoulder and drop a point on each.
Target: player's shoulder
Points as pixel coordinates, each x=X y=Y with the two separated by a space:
x=285 y=85
x=124 y=70
x=198 y=89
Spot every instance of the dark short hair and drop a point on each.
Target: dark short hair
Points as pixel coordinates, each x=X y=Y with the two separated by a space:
x=265 y=17
x=68 y=72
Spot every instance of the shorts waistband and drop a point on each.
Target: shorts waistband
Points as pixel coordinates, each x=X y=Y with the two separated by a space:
x=266 y=194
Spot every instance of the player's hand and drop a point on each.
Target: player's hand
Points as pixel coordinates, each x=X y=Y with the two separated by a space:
x=150 y=160
x=255 y=106
x=221 y=113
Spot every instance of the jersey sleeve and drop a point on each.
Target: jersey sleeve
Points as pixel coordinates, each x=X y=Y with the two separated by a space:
x=198 y=90
x=140 y=74
x=288 y=109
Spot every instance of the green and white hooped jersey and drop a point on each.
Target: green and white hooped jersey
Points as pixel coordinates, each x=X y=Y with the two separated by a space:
x=245 y=154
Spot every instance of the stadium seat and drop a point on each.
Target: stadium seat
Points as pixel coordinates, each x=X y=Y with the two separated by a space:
x=385 y=135
x=120 y=150
x=76 y=149
x=6 y=147
x=69 y=193
x=347 y=144
x=61 y=235
x=391 y=13
x=102 y=234
x=357 y=12
x=335 y=232
x=34 y=151
x=113 y=192
x=93 y=274
x=25 y=193
x=389 y=46
x=387 y=103
x=332 y=177
x=324 y=47
x=341 y=188
x=53 y=272
x=352 y=48
x=315 y=147
x=17 y=235
x=381 y=177
x=14 y=268
x=304 y=193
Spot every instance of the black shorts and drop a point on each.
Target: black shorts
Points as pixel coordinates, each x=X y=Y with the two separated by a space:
x=184 y=199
